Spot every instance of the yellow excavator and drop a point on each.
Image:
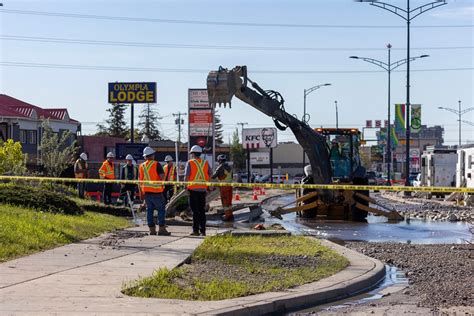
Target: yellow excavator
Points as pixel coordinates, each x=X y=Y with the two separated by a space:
x=327 y=165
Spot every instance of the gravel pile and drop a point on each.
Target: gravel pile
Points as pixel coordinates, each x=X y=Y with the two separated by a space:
x=439 y=275
x=426 y=209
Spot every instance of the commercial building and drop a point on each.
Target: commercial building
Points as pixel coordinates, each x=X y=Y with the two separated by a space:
x=21 y=121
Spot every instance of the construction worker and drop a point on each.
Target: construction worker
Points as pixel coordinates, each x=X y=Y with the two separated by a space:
x=197 y=170
x=224 y=174
x=107 y=171
x=151 y=170
x=80 y=172
x=170 y=175
x=129 y=172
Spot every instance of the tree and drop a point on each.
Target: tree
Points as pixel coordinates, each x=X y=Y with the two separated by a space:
x=116 y=125
x=148 y=124
x=237 y=152
x=218 y=129
x=12 y=159
x=57 y=151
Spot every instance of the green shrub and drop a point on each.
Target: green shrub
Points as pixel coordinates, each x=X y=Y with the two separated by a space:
x=38 y=199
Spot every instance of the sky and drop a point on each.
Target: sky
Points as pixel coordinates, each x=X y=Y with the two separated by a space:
x=306 y=43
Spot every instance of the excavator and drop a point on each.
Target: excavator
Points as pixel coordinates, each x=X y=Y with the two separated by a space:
x=348 y=205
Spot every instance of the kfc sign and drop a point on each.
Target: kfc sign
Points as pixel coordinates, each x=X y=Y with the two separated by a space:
x=259 y=137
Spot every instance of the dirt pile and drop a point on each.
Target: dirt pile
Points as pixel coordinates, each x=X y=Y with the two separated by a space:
x=439 y=275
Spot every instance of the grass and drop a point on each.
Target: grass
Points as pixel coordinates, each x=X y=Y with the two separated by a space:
x=24 y=231
x=255 y=264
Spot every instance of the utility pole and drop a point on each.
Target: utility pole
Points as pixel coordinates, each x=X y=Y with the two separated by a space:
x=242 y=128
x=178 y=121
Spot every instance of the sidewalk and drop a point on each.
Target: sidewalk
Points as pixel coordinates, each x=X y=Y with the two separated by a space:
x=86 y=278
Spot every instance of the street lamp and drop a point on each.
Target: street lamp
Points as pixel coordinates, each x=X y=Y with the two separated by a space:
x=459 y=113
x=408 y=15
x=306 y=117
x=388 y=66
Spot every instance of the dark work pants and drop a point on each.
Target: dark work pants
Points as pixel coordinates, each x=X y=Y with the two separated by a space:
x=197 y=202
x=108 y=193
x=81 y=186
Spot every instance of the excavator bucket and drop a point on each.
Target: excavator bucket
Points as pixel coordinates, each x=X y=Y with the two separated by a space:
x=221 y=86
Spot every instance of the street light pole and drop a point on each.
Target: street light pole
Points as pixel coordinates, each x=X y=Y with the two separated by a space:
x=406 y=14
x=459 y=113
x=388 y=66
x=306 y=116
x=337 y=118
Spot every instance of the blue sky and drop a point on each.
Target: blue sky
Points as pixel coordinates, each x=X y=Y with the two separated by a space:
x=360 y=96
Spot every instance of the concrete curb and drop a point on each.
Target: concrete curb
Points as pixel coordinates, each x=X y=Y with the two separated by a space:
x=362 y=274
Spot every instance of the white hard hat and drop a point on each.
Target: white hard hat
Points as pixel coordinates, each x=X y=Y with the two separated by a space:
x=83 y=156
x=168 y=158
x=196 y=149
x=148 y=151
x=110 y=155
x=308 y=171
x=129 y=157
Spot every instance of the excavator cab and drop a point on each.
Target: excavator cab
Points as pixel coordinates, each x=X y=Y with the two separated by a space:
x=343 y=144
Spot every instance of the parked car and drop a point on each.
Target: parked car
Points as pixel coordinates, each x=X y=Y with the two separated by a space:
x=263 y=179
x=382 y=180
x=371 y=176
x=278 y=179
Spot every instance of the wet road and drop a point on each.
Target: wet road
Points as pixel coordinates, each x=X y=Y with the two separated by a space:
x=378 y=229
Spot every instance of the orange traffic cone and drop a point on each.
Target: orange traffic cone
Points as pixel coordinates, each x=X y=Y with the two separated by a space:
x=237 y=196
x=255 y=197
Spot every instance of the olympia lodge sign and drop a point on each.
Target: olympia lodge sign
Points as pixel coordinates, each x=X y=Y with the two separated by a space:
x=132 y=92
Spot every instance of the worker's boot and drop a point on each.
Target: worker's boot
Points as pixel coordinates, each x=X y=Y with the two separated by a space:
x=152 y=230
x=162 y=231
x=228 y=216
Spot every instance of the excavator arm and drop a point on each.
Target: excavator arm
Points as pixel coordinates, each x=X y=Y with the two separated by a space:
x=223 y=84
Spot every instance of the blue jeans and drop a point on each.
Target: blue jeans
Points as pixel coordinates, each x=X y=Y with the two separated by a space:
x=155 y=201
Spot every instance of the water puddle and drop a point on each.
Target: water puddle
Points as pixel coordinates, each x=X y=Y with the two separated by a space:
x=394 y=281
x=377 y=228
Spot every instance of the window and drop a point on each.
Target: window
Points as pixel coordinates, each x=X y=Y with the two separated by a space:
x=23 y=136
x=32 y=137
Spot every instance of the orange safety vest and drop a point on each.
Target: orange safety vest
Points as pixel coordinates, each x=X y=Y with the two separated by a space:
x=107 y=171
x=199 y=173
x=147 y=172
x=172 y=174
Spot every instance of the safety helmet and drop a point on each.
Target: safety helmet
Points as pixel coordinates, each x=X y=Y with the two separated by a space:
x=168 y=158
x=308 y=171
x=221 y=157
x=129 y=157
x=110 y=155
x=196 y=149
x=148 y=151
x=83 y=156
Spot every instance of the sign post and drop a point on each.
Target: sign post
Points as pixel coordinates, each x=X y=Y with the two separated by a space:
x=132 y=92
x=201 y=123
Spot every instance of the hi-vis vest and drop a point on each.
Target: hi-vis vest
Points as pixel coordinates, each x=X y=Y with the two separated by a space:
x=147 y=172
x=107 y=171
x=172 y=173
x=199 y=173
x=126 y=175
x=227 y=178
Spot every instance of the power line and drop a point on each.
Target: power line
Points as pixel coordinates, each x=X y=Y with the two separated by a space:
x=205 y=47
x=189 y=70
x=220 y=23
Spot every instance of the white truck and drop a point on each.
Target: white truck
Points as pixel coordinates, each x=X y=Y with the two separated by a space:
x=438 y=167
x=465 y=167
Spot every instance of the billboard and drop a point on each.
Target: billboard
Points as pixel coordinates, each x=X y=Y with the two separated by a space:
x=201 y=123
x=132 y=92
x=259 y=137
x=415 y=119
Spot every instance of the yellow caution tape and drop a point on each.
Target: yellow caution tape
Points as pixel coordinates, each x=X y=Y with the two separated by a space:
x=251 y=185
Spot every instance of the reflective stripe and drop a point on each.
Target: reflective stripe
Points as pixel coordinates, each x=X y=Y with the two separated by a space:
x=199 y=171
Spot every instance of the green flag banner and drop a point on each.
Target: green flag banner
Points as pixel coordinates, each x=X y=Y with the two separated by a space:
x=400 y=118
x=415 y=118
